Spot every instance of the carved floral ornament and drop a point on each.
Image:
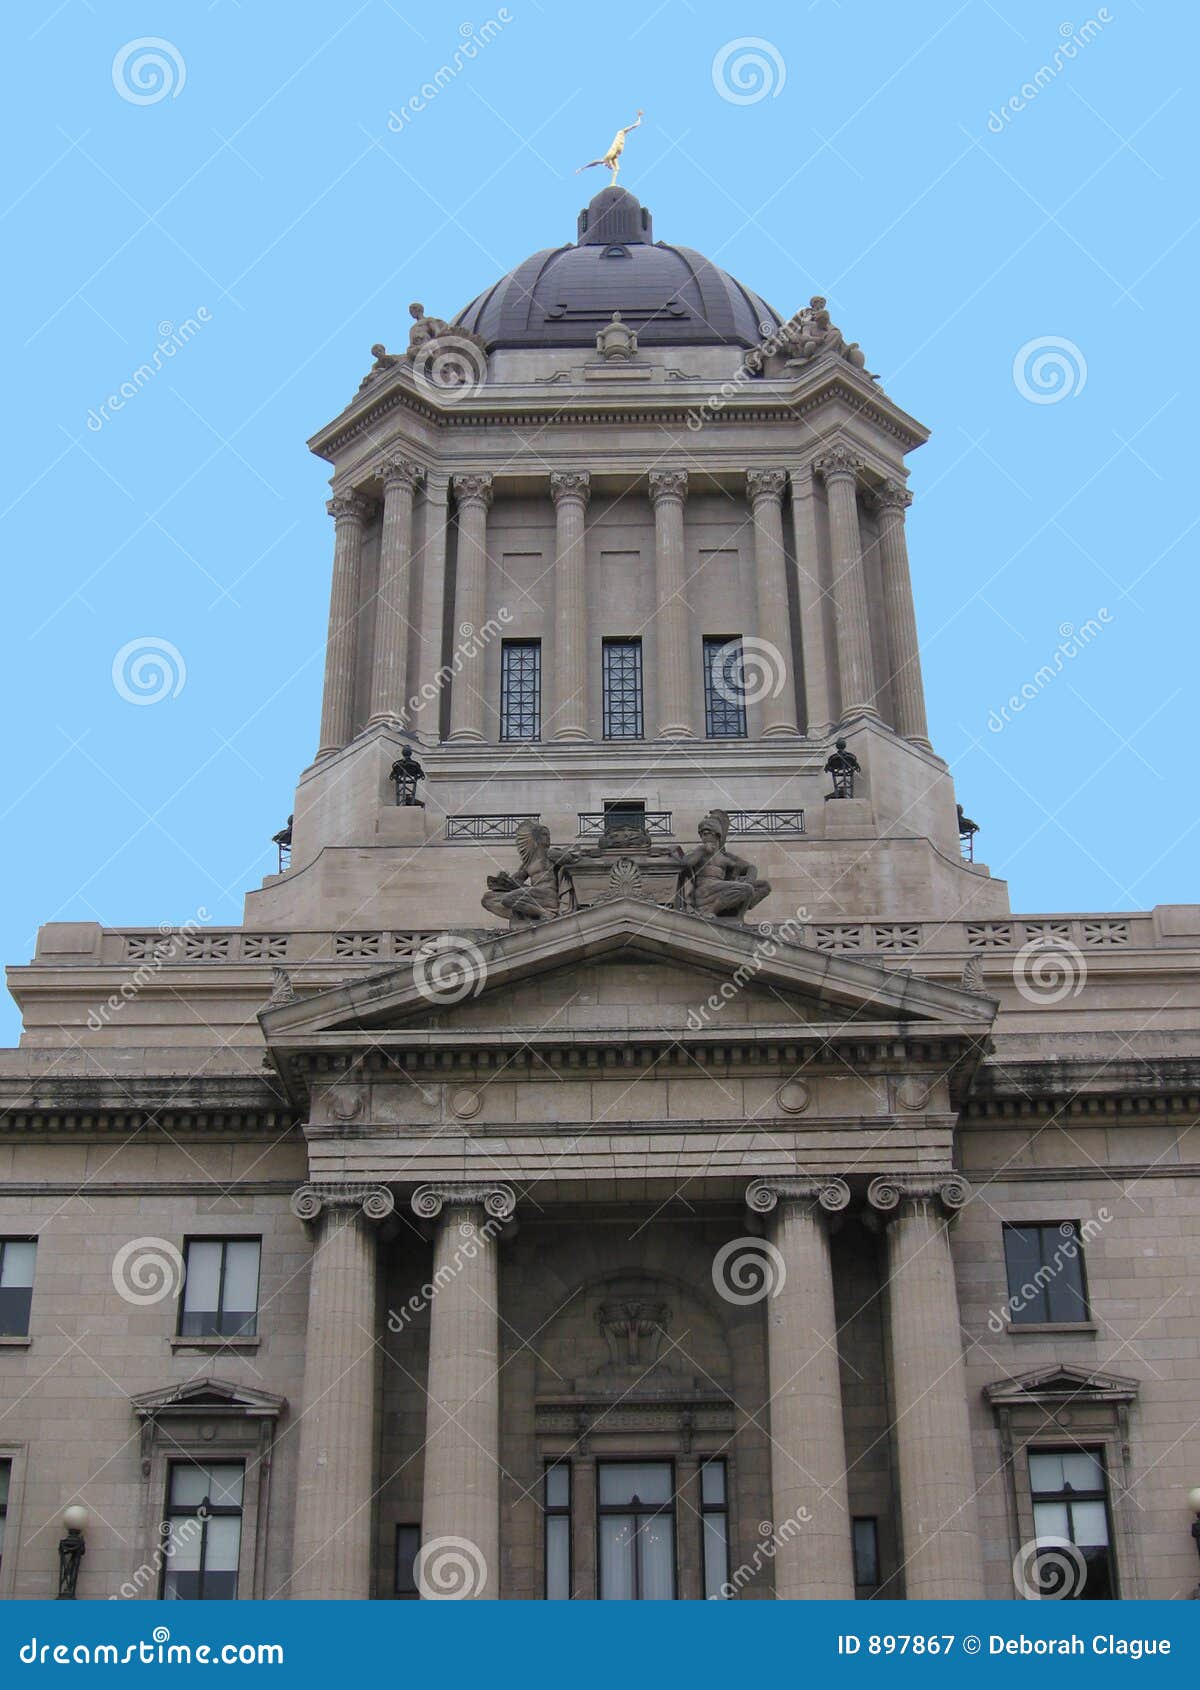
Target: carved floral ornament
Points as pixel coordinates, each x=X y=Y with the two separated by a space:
x=839 y=462
x=570 y=484
x=474 y=489
x=349 y=507
x=668 y=484
x=401 y=472
x=765 y=484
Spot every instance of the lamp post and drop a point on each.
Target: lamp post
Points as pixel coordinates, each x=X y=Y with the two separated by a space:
x=71 y=1550
x=1194 y=1505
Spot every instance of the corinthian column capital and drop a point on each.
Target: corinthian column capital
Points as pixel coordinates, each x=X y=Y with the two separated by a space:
x=473 y=489
x=893 y=495
x=570 y=484
x=832 y=1195
x=349 y=507
x=310 y=1201
x=765 y=484
x=668 y=484
x=889 y=1193
x=499 y=1202
x=399 y=471
x=839 y=463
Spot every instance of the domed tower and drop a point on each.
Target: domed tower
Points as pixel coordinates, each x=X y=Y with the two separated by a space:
x=619 y=537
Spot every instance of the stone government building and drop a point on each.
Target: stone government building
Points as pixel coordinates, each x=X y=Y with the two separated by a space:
x=743 y=1201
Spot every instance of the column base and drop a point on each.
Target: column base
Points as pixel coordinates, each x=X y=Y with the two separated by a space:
x=385 y=719
x=781 y=730
x=919 y=739
x=577 y=735
x=674 y=730
x=464 y=736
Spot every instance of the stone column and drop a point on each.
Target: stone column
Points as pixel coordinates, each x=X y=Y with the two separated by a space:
x=841 y=469
x=428 y=684
x=764 y=488
x=908 y=693
x=467 y=698
x=335 y=1480
x=570 y=490
x=808 y=1442
x=672 y=621
x=460 y=1521
x=349 y=512
x=818 y=710
x=940 y=1531
x=390 y=667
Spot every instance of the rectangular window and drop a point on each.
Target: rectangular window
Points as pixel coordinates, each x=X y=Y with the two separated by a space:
x=1070 y=1508
x=220 y=1288
x=635 y=1503
x=865 y=1531
x=714 y=1528
x=521 y=689
x=408 y=1542
x=556 y=1508
x=17 y=1256
x=724 y=687
x=623 y=689
x=5 y=1482
x=204 y=1514
x=1045 y=1274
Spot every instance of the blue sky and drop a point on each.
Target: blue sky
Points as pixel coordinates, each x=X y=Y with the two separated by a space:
x=265 y=198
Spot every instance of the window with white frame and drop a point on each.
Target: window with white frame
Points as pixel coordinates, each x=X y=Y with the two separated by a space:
x=17 y=1258
x=1070 y=1509
x=220 y=1288
x=204 y=1517
x=635 y=1506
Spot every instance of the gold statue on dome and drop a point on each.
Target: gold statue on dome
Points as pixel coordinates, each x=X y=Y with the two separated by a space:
x=612 y=158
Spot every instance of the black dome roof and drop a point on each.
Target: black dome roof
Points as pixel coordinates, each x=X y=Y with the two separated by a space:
x=670 y=295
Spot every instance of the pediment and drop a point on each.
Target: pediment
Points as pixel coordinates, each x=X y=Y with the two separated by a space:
x=1058 y=1383
x=208 y=1397
x=472 y=981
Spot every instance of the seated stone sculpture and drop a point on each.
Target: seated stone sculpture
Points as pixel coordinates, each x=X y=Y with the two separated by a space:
x=712 y=881
x=541 y=884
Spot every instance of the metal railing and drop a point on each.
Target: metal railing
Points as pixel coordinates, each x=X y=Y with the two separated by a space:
x=776 y=824
x=486 y=827
x=594 y=823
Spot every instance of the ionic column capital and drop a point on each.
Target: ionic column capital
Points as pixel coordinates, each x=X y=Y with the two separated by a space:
x=374 y=1201
x=832 y=1195
x=349 y=507
x=473 y=489
x=668 y=484
x=839 y=463
x=893 y=495
x=567 y=484
x=765 y=484
x=499 y=1202
x=400 y=471
x=890 y=1193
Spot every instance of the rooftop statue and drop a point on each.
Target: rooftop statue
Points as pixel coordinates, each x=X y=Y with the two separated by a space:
x=539 y=887
x=611 y=160
x=712 y=881
x=843 y=765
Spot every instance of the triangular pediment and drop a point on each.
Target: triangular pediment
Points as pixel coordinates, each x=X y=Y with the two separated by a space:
x=208 y=1396
x=472 y=980
x=1059 y=1381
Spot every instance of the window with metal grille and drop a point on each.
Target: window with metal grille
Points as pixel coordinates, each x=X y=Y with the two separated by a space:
x=204 y=1515
x=724 y=687
x=220 y=1289
x=521 y=690
x=623 y=689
